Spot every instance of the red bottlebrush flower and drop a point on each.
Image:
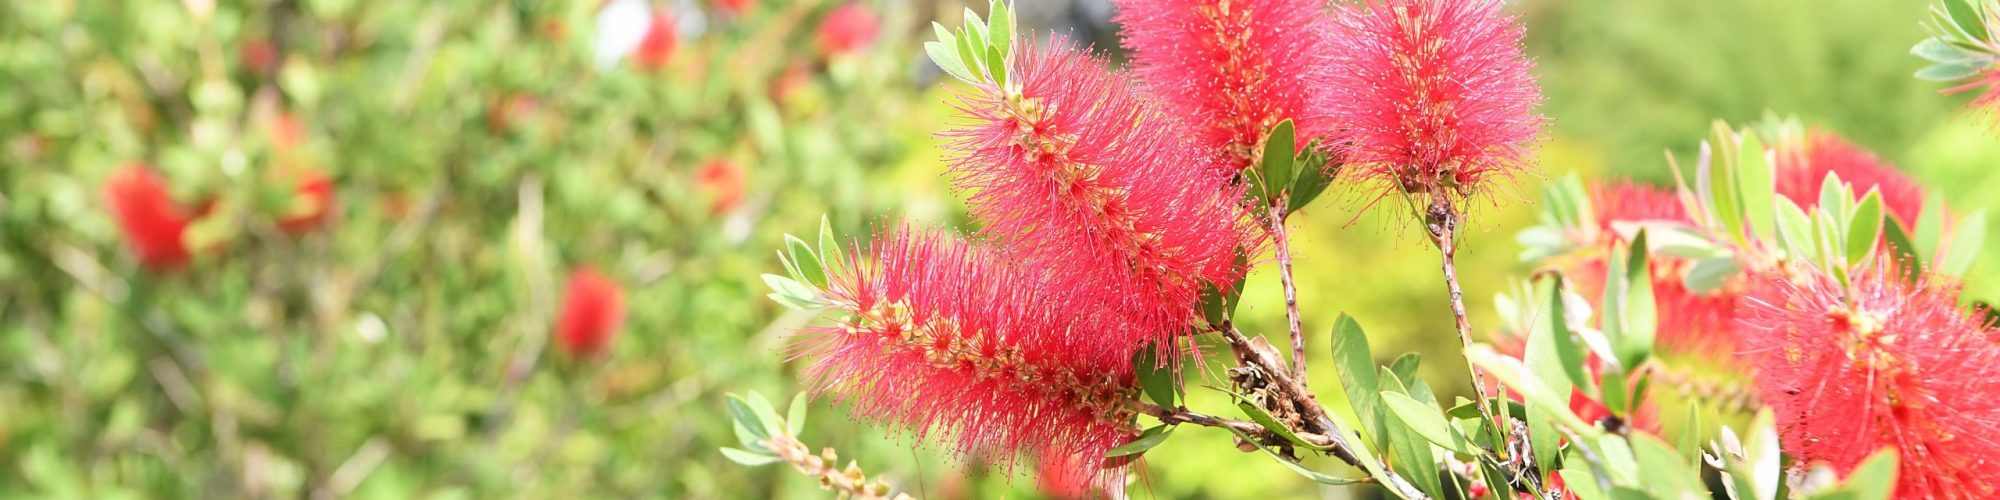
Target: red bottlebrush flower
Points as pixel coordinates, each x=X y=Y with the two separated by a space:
x=723 y=180
x=735 y=7
x=657 y=49
x=1881 y=362
x=510 y=110
x=1235 y=67
x=287 y=132
x=938 y=335
x=1988 y=100
x=593 y=307
x=1802 y=170
x=258 y=55
x=847 y=29
x=1081 y=177
x=152 y=221
x=1432 y=96
x=313 y=206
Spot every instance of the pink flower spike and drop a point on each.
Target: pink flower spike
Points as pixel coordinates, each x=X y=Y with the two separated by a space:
x=1432 y=96
x=1235 y=67
x=936 y=334
x=1080 y=177
x=1881 y=362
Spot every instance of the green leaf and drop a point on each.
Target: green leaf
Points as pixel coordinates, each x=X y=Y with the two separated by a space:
x=1314 y=175
x=1969 y=239
x=1761 y=461
x=1930 y=228
x=1277 y=160
x=1501 y=485
x=830 y=253
x=1724 y=195
x=1939 y=51
x=1147 y=440
x=1515 y=410
x=1427 y=422
x=1294 y=466
x=1690 y=437
x=1554 y=369
x=1618 y=459
x=1966 y=17
x=1258 y=415
x=1759 y=186
x=1214 y=307
x=748 y=458
x=809 y=266
x=1405 y=367
x=1515 y=375
x=971 y=51
x=1796 y=230
x=1001 y=29
x=1710 y=274
x=751 y=429
x=1663 y=471
x=996 y=64
x=795 y=416
x=1865 y=227
x=767 y=416
x=1356 y=367
x=1156 y=379
x=1410 y=454
x=1875 y=478
x=948 y=61
x=1638 y=319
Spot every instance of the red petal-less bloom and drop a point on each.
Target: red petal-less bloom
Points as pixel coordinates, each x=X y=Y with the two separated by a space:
x=1802 y=170
x=313 y=207
x=1432 y=96
x=847 y=29
x=735 y=7
x=657 y=49
x=1234 y=67
x=1081 y=177
x=937 y=335
x=723 y=180
x=593 y=308
x=1689 y=322
x=152 y=221
x=1850 y=369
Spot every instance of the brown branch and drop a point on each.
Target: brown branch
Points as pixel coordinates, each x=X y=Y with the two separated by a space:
x=1442 y=224
x=849 y=482
x=1284 y=248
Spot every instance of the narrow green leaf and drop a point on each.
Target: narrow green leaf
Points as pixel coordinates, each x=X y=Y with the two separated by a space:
x=1258 y=415
x=1710 y=274
x=1314 y=175
x=1427 y=422
x=1939 y=51
x=830 y=253
x=1155 y=378
x=1690 y=436
x=1294 y=466
x=1663 y=471
x=1865 y=228
x=1613 y=392
x=767 y=416
x=1001 y=30
x=746 y=417
x=1550 y=367
x=1759 y=186
x=1410 y=454
x=795 y=415
x=1515 y=410
x=1726 y=198
x=971 y=53
x=1405 y=367
x=996 y=63
x=947 y=60
x=1356 y=368
x=1930 y=228
x=1640 y=320
x=1501 y=485
x=1796 y=230
x=1618 y=459
x=1515 y=375
x=1900 y=250
x=1147 y=440
x=809 y=265
x=1277 y=161
x=1968 y=240
x=1966 y=16
x=747 y=458
x=1875 y=478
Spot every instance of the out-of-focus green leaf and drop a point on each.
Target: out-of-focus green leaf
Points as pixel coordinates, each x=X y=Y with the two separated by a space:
x=1965 y=245
x=1427 y=422
x=1147 y=439
x=1294 y=466
x=748 y=458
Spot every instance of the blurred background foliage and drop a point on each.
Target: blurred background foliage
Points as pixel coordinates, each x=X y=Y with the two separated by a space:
x=479 y=150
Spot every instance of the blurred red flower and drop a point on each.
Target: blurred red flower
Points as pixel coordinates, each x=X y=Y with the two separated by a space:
x=1689 y=322
x=940 y=335
x=1236 y=68
x=1849 y=369
x=152 y=221
x=1802 y=170
x=847 y=29
x=657 y=49
x=593 y=307
x=735 y=7
x=723 y=180
x=313 y=206
x=1432 y=96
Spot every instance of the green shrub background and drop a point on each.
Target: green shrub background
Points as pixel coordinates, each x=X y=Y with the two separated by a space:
x=401 y=351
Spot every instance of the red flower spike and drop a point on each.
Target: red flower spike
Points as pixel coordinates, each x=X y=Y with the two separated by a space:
x=152 y=221
x=1879 y=363
x=723 y=180
x=593 y=308
x=735 y=7
x=1237 y=67
x=847 y=29
x=938 y=335
x=657 y=49
x=1432 y=96
x=314 y=206
x=1802 y=171
x=1079 y=176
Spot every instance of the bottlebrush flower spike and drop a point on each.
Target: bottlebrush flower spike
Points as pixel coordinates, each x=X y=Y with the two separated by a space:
x=1080 y=176
x=847 y=29
x=1802 y=170
x=1432 y=96
x=593 y=308
x=657 y=48
x=935 y=334
x=723 y=180
x=152 y=221
x=1881 y=362
x=1235 y=67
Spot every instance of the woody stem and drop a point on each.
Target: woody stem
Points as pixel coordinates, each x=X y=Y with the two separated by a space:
x=1442 y=224
x=1284 y=249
